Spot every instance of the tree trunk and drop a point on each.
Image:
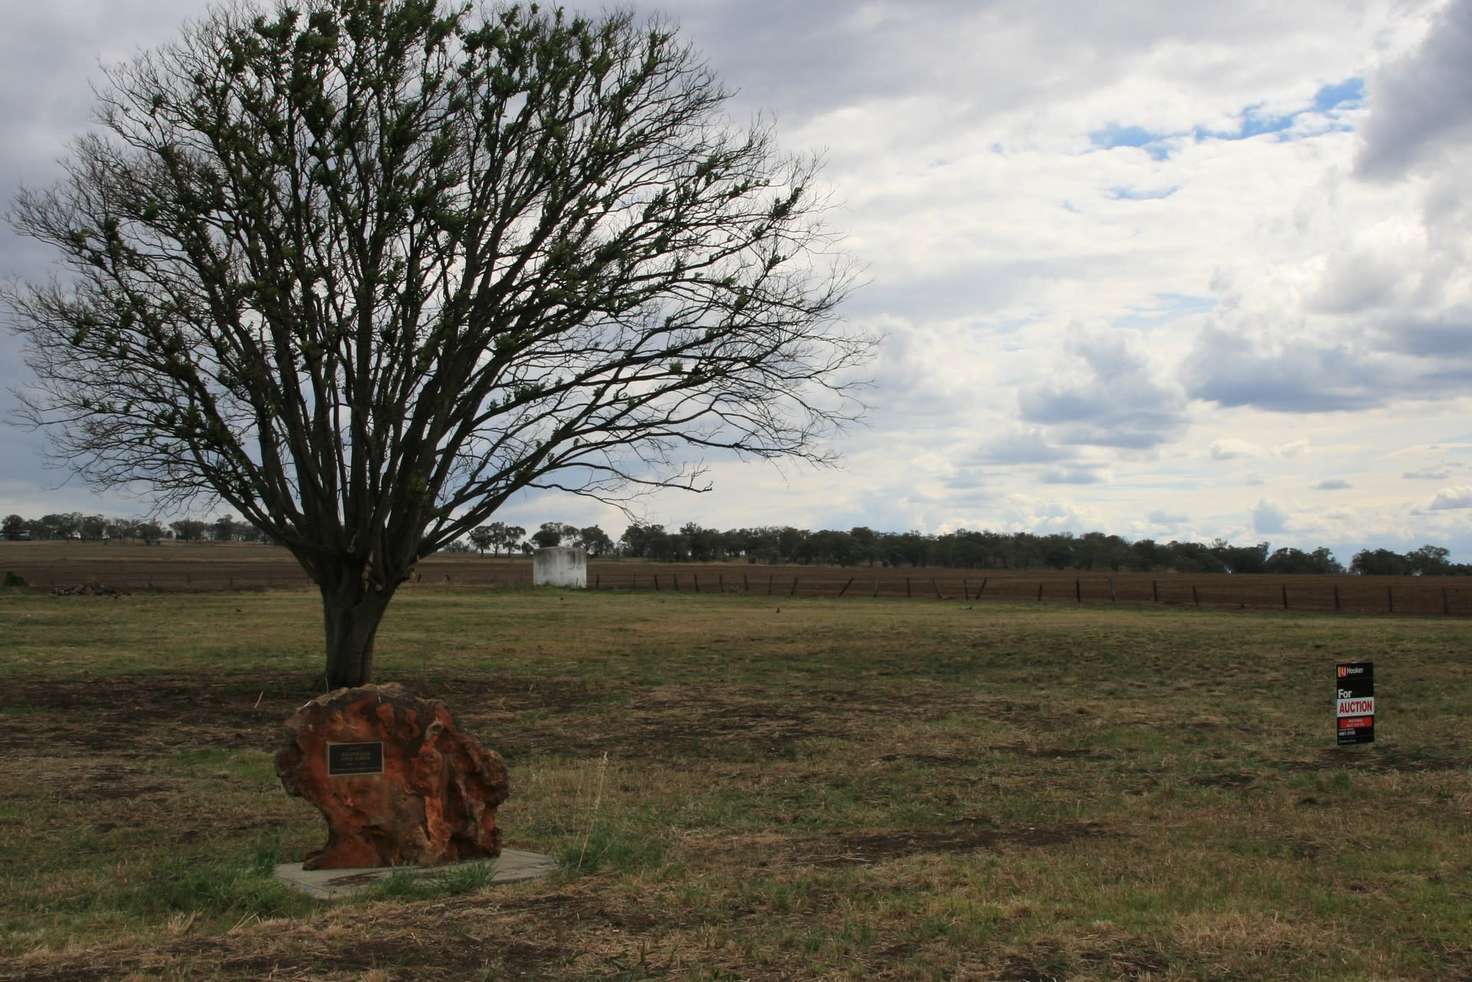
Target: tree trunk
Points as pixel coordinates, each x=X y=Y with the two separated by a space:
x=351 y=615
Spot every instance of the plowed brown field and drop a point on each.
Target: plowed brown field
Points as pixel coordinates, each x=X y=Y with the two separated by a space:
x=238 y=566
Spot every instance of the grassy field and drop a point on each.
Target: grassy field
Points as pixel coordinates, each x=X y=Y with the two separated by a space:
x=739 y=787
x=204 y=567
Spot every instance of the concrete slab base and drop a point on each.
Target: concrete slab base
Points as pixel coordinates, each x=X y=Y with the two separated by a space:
x=513 y=866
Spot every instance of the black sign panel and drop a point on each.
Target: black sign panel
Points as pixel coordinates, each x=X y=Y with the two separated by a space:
x=1354 y=702
x=346 y=759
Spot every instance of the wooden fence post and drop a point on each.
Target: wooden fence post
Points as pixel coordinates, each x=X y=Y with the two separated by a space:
x=1113 y=597
x=908 y=593
x=676 y=578
x=1389 y=600
x=1040 y=592
x=1155 y=590
x=745 y=583
x=1336 y=597
x=697 y=581
x=1285 y=596
x=846 y=586
x=793 y=591
x=1078 y=590
x=597 y=579
x=936 y=587
x=876 y=586
x=721 y=583
x=1446 y=607
x=656 y=582
x=770 y=578
x=965 y=589
x=1195 y=597
x=982 y=589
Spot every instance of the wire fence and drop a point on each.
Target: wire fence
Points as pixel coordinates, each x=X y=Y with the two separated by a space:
x=256 y=568
x=1446 y=596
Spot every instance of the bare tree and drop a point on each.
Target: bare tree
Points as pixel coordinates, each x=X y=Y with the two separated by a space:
x=363 y=269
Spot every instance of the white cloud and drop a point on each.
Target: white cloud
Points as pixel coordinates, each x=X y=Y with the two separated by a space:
x=1294 y=448
x=1454 y=497
x=1232 y=448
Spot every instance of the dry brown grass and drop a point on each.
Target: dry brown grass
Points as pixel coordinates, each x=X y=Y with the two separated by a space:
x=854 y=789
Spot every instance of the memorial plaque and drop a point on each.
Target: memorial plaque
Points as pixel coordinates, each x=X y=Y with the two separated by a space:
x=1354 y=703
x=348 y=759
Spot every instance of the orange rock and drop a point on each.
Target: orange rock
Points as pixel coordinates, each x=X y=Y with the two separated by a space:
x=408 y=787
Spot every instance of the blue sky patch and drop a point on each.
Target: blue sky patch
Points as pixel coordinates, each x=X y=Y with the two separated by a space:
x=1122 y=192
x=1114 y=135
x=1254 y=123
x=1349 y=94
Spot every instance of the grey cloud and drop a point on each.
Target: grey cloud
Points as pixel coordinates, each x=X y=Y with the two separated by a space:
x=1422 y=105
x=1021 y=447
x=49 y=57
x=1449 y=335
x=1296 y=377
x=1166 y=519
x=1365 y=367
x=1428 y=474
x=978 y=288
x=1072 y=475
x=1356 y=282
x=1333 y=484
x=1116 y=403
x=804 y=59
x=1450 y=498
x=906 y=385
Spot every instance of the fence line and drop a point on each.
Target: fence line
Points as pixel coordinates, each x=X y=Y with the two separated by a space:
x=1343 y=594
x=1266 y=594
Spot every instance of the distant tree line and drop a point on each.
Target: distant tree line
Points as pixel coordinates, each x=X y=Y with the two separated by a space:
x=828 y=547
x=101 y=528
x=1010 y=550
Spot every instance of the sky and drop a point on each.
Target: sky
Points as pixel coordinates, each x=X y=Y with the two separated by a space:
x=1176 y=271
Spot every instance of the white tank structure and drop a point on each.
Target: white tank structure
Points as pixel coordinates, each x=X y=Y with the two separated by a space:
x=564 y=566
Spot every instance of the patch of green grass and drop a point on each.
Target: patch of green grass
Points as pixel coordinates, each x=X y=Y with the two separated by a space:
x=623 y=850
x=247 y=766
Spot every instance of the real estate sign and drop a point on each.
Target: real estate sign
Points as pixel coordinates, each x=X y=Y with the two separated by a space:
x=1354 y=702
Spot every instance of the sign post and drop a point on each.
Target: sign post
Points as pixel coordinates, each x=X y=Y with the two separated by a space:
x=1354 y=703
